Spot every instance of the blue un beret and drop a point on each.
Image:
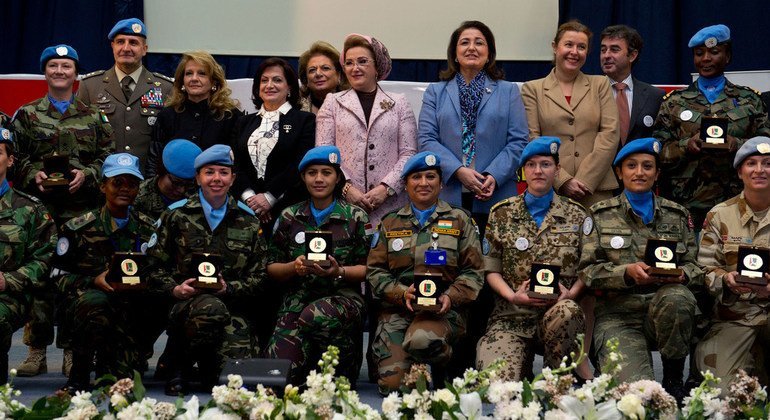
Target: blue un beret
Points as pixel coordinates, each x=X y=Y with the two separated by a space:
x=324 y=155
x=541 y=146
x=420 y=162
x=58 y=51
x=121 y=163
x=646 y=145
x=131 y=26
x=710 y=36
x=179 y=157
x=6 y=136
x=218 y=154
x=759 y=145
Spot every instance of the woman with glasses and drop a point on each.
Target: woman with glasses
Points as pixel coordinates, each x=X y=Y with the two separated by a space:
x=374 y=130
x=175 y=179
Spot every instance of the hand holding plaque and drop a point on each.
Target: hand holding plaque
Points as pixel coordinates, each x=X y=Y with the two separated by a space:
x=660 y=255
x=126 y=271
x=318 y=247
x=206 y=268
x=753 y=263
x=544 y=281
x=57 y=168
x=428 y=288
x=713 y=132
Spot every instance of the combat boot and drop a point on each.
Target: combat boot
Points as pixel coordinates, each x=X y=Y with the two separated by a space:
x=35 y=364
x=66 y=363
x=672 y=378
x=80 y=373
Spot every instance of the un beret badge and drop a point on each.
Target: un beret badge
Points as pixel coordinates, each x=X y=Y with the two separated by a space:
x=430 y=160
x=332 y=157
x=62 y=51
x=137 y=28
x=656 y=146
x=763 y=148
x=710 y=42
x=6 y=134
x=554 y=148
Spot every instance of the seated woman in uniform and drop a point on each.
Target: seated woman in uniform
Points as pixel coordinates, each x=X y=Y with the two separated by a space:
x=426 y=235
x=323 y=305
x=105 y=323
x=206 y=324
x=173 y=181
x=539 y=226
x=642 y=309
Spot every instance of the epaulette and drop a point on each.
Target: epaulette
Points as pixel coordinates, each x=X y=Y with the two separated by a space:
x=245 y=208
x=177 y=204
x=605 y=204
x=29 y=197
x=145 y=218
x=571 y=201
x=499 y=204
x=163 y=76
x=81 y=221
x=466 y=211
x=663 y=202
x=93 y=73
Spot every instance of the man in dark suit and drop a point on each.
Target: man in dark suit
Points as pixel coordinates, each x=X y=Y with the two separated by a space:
x=638 y=102
x=128 y=93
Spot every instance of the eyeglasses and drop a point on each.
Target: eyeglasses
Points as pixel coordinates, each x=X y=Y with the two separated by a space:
x=542 y=165
x=360 y=62
x=181 y=183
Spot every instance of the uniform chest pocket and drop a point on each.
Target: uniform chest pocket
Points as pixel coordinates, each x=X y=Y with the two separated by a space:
x=564 y=235
x=730 y=249
x=739 y=113
x=190 y=242
x=450 y=244
x=616 y=246
x=400 y=252
x=12 y=239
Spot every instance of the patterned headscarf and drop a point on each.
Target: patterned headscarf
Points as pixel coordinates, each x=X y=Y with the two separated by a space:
x=381 y=56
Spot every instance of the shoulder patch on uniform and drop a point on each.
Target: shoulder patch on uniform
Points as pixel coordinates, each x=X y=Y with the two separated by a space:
x=94 y=73
x=163 y=76
x=571 y=201
x=81 y=221
x=177 y=204
x=500 y=204
x=375 y=239
x=245 y=208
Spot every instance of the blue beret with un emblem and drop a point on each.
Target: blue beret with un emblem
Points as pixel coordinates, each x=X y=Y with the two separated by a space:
x=131 y=26
x=420 y=162
x=710 y=36
x=646 y=145
x=58 y=51
x=6 y=136
x=179 y=158
x=540 y=146
x=218 y=154
x=759 y=145
x=321 y=155
x=121 y=163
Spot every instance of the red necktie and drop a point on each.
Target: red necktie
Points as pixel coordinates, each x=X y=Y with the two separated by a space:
x=625 y=115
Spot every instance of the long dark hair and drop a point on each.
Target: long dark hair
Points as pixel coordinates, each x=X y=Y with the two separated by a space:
x=493 y=71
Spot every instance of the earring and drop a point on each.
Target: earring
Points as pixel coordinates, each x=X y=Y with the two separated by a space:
x=456 y=60
x=213 y=88
x=288 y=95
x=183 y=89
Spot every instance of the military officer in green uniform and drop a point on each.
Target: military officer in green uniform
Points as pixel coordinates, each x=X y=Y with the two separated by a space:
x=206 y=326
x=538 y=226
x=58 y=123
x=642 y=310
x=423 y=236
x=105 y=322
x=27 y=241
x=175 y=179
x=323 y=306
x=694 y=176
x=130 y=95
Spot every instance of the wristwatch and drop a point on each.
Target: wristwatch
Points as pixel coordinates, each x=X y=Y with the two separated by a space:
x=391 y=191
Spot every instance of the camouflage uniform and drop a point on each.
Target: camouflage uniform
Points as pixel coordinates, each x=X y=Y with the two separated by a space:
x=740 y=323
x=204 y=322
x=319 y=311
x=403 y=337
x=701 y=181
x=110 y=324
x=660 y=316
x=86 y=135
x=27 y=241
x=515 y=332
x=149 y=200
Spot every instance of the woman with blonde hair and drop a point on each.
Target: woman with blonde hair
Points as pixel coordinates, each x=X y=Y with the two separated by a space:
x=321 y=73
x=200 y=110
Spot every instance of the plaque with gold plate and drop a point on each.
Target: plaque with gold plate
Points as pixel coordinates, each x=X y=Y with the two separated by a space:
x=753 y=263
x=318 y=247
x=428 y=287
x=660 y=255
x=206 y=270
x=57 y=167
x=126 y=271
x=713 y=132
x=544 y=281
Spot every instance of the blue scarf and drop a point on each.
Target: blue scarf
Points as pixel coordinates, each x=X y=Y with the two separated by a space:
x=4 y=187
x=422 y=215
x=321 y=215
x=470 y=99
x=711 y=87
x=538 y=206
x=61 y=106
x=213 y=216
x=642 y=204
x=121 y=223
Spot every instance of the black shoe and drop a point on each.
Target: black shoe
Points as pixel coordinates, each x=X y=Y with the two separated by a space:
x=672 y=378
x=176 y=386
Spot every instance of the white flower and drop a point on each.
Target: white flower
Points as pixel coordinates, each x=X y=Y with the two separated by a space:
x=118 y=401
x=412 y=400
x=234 y=381
x=470 y=405
x=631 y=406
x=586 y=408
x=557 y=414
x=81 y=399
x=261 y=410
x=215 y=413
x=192 y=407
x=391 y=405
x=445 y=396
x=83 y=412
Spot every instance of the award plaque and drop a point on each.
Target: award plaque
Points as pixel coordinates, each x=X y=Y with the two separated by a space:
x=660 y=255
x=206 y=270
x=318 y=247
x=428 y=289
x=126 y=271
x=544 y=281
x=752 y=265
x=713 y=132
x=57 y=167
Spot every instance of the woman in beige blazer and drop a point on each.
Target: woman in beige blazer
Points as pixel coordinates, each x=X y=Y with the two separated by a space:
x=581 y=111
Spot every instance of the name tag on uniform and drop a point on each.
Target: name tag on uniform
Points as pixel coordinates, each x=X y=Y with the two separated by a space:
x=398 y=234
x=445 y=231
x=565 y=228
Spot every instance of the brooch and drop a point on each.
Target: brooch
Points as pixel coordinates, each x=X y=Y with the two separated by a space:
x=286 y=128
x=386 y=104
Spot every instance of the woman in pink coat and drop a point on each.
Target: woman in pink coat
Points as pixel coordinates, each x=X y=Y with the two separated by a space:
x=375 y=131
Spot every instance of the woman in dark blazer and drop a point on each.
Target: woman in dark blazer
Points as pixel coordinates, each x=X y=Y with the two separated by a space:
x=270 y=143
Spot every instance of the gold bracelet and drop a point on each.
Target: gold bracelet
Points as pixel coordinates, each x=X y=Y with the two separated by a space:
x=345 y=190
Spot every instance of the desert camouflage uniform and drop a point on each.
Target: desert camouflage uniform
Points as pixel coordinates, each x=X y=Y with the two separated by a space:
x=403 y=337
x=515 y=332
x=112 y=325
x=740 y=323
x=210 y=325
x=149 y=200
x=641 y=317
x=27 y=241
x=701 y=181
x=320 y=311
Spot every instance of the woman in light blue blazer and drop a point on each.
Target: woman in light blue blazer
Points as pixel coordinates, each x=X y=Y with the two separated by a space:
x=475 y=122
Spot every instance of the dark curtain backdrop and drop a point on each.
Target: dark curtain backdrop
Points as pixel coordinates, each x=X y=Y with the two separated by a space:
x=28 y=26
